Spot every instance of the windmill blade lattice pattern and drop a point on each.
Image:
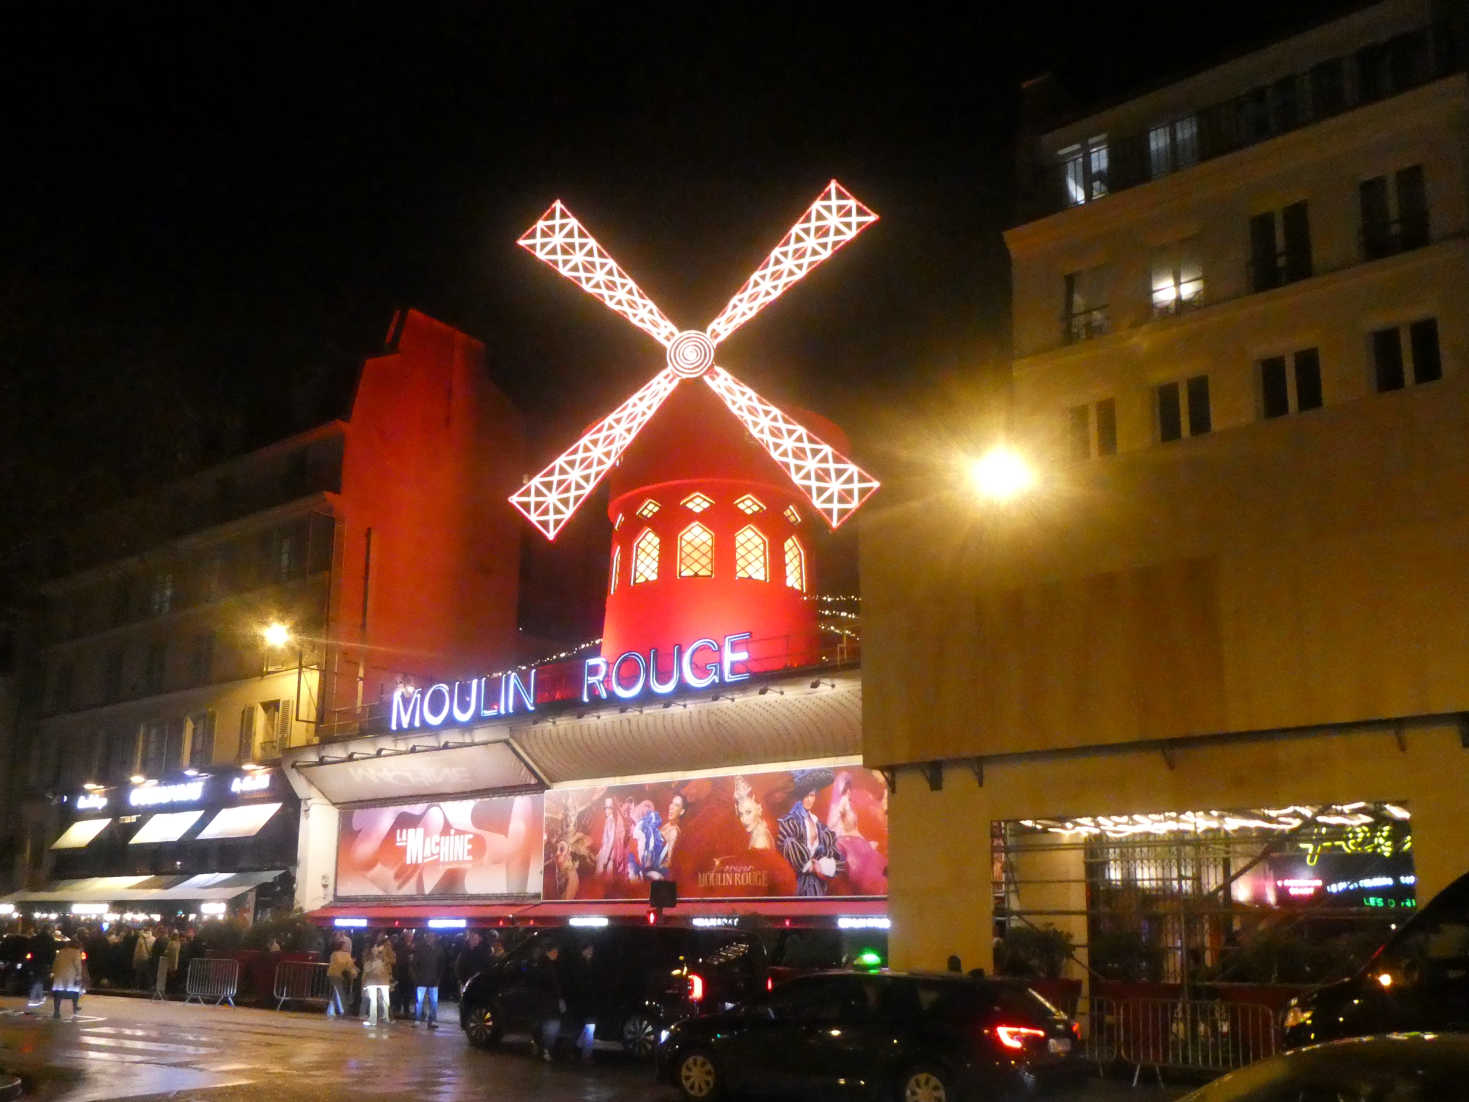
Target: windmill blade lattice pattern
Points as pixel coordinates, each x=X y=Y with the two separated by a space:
x=833 y=219
x=833 y=484
x=563 y=243
x=549 y=499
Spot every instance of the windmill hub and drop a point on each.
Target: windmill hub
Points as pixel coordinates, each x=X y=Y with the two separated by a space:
x=691 y=353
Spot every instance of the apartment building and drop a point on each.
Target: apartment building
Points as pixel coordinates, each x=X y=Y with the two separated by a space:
x=1212 y=666
x=188 y=639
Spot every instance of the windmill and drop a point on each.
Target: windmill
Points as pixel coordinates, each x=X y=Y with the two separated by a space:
x=721 y=522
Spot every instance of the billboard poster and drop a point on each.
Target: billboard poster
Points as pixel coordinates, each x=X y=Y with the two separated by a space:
x=478 y=847
x=793 y=833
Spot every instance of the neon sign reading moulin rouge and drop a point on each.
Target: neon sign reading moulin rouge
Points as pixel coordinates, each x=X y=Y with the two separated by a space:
x=702 y=663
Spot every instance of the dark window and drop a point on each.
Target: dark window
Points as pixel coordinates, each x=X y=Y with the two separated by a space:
x=61 y=688
x=1264 y=267
x=1412 y=207
x=1086 y=306
x=1308 y=379
x=1286 y=104
x=1081 y=432
x=1423 y=337
x=123 y=755
x=1297 y=227
x=1376 y=218
x=153 y=669
x=1328 y=88
x=1199 y=419
x=246 y=747
x=1387 y=359
x=173 y=746
x=1170 y=415
x=201 y=739
x=1106 y=427
x=112 y=676
x=1273 y=387
x=155 y=744
x=824 y=999
x=202 y=660
x=122 y=599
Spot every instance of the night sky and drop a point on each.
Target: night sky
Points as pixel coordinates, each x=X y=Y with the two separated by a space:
x=212 y=209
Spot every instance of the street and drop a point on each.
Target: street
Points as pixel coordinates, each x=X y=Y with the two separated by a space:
x=135 y=1049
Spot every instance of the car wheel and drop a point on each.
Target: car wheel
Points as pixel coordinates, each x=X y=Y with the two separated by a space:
x=482 y=1026
x=698 y=1078
x=925 y=1084
x=640 y=1036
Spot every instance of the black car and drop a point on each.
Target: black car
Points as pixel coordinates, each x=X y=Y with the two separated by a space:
x=887 y=1035
x=15 y=964
x=646 y=978
x=1418 y=980
x=1394 y=1068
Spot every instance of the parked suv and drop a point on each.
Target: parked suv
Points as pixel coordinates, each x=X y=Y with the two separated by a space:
x=649 y=977
x=1418 y=980
x=881 y=1035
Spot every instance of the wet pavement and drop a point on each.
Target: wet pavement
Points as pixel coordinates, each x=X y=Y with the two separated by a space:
x=122 y=1048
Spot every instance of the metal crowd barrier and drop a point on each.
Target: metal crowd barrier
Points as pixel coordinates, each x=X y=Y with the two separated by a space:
x=1203 y=1036
x=300 y=981
x=212 y=979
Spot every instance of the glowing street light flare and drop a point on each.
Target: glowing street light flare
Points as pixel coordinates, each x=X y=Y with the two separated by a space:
x=275 y=634
x=833 y=484
x=1001 y=474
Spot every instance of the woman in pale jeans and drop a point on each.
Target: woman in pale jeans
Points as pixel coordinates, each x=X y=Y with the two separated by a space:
x=339 y=973
x=377 y=977
x=68 y=977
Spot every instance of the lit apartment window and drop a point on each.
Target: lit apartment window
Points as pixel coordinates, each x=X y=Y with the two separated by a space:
x=647 y=508
x=275 y=728
x=1391 y=370
x=1173 y=146
x=795 y=564
x=1280 y=247
x=1178 y=278
x=1183 y=406
x=1290 y=384
x=750 y=555
x=616 y=569
x=749 y=504
x=201 y=739
x=1086 y=304
x=645 y=558
x=792 y=514
x=1394 y=212
x=160 y=599
x=696 y=552
x=1084 y=170
x=1093 y=429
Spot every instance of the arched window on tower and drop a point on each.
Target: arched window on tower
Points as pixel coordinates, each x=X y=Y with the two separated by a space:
x=696 y=552
x=616 y=567
x=750 y=555
x=795 y=565
x=645 y=557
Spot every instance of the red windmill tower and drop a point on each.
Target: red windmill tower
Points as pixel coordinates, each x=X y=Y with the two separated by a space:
x=710 y=514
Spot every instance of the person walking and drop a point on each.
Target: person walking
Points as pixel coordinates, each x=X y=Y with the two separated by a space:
x=340 y=971
x=474 y=958
x=142 y=954
x=377 y=979
x=404 y=989
x=68 y=977
x=583 y=990
x=428 y=969
x=550 y=1002
x=43 y=952
x=175 y=947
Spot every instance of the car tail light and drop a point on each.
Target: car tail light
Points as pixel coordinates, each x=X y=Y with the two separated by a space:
x=696 y=987
x=1013 y=1036
x=1076 y=1030
x=770 y=983
x=28 y=956
x=652 y=916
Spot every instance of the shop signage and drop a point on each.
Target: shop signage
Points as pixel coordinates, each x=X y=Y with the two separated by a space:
x=697 y=665
x=632 y=673
x=246 y=783
x=91 y=801
x=464 y=701
x=153 y=795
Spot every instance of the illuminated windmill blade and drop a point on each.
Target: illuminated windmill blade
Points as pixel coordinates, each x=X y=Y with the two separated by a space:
x=829 y=223
x=834 y=484
x=549 y=499
x=563 y=242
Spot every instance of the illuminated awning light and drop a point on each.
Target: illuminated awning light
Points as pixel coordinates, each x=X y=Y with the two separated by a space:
x=213 y=908
x=90 y=908
x=7 y=908
x=168 y=827
x=350 y=923
x=591 y=921
x=81 y=833
x=864 y=922
x=239 y=822
x=447 y=923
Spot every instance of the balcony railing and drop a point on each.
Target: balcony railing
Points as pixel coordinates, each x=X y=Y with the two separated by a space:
x=1398 y=236
x=1170 y=301
x=1372 y=74
x=1086 y=324
x=1268 y=272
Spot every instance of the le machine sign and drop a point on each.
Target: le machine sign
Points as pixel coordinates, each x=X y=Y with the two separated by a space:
x=630 y=675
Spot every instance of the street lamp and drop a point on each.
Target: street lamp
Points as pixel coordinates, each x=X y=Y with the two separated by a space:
x=1001 y=474
x=278 y=636
x=275 y=634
